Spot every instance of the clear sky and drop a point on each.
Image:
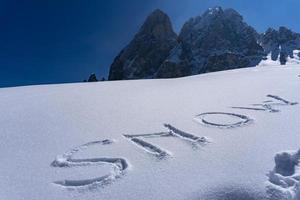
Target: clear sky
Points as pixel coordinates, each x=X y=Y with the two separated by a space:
x=57 y=41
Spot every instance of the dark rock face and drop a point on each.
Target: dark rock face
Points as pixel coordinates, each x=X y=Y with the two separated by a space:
x=217 y=40
x=280 y=44
x=92 y=78
x=145 y=53
x=225 y=61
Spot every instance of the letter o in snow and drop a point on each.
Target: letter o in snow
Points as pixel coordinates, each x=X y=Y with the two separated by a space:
x=241 y=119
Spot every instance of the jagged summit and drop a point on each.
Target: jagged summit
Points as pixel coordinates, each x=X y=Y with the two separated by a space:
x=218 y=11
x=148 y=49
x=213 y=27
x=281 y=36
x=158 y=24
x=156 y=14
x=158 y=11
x=213 y=11
x=217 y=40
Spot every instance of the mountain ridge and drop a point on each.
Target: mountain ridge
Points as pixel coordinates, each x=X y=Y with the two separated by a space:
x=217 y=40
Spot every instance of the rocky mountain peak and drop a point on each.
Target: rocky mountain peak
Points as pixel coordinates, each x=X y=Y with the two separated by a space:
x=158 y=25
x=213 y=12
x=218 y=29
x=281 y=44
x=142 y=57
x=280 y=36
x=217 y=40
x=285 y=35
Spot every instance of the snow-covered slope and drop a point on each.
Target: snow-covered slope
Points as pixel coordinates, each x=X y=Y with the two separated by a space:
x=210 y=137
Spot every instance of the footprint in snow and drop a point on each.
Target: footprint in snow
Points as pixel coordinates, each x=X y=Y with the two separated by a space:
x=284 y=180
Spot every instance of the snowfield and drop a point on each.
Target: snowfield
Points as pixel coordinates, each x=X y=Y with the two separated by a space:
x=231 y=135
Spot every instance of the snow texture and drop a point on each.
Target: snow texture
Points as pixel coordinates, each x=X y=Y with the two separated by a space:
x=211 y=137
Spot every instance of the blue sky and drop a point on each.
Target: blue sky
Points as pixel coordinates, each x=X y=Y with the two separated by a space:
x=58 y=41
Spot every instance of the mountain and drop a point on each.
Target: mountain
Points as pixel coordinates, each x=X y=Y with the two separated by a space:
x=230 y=135
x=217 y=40
x=281 y=45
x=145 y=53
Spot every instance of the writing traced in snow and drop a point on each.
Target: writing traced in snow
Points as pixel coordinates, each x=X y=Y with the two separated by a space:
x=157 y=151
x=172 y=132
x=119 y=165
x=269 y=104
x=241 y=120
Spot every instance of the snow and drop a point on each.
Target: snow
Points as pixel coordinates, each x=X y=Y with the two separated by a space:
x=285 y=177
x=269 y=62
x=295 y=60
x=291 y=60
x=212 y=136
x=213 y=10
